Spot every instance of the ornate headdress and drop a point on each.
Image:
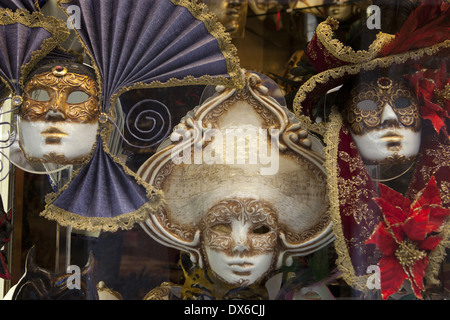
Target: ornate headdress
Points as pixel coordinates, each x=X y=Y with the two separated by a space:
x=131 y=45
x=423 y=37
x=203 y=170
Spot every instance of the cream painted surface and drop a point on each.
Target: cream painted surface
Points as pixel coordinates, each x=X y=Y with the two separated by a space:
x=77 y=139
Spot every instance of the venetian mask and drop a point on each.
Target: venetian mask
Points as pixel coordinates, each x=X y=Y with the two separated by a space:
x=240 y=217
x=240 y=239
x=59 y=114
x=231 y=13
x=384 y=120
x=340 y=11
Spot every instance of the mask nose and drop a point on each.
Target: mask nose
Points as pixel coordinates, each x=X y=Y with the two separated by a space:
x=388 y=114
x=56 y=111
x=54 y=116
x=239 y=236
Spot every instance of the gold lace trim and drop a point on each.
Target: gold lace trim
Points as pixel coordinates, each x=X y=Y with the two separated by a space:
x=36 y=4
x=343 y=260
x=201 y=12
x=125 y=221
x=336 y=73
x=325 y=34
x=55 y=27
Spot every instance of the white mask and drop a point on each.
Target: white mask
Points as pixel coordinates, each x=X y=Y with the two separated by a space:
x=240 y=240
x=384 y=121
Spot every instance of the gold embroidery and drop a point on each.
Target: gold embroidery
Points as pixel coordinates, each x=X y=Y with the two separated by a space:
x=340 y=193
x=445 y=194
x=443 y=95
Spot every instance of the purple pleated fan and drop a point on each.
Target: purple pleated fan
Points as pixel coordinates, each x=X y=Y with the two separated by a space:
x=146 y=41
x=30 y=5
x=22 y=46
x=137 y=44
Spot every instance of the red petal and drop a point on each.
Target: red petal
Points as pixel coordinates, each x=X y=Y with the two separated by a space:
x=418 y=273
x=429 y=195
x=425 y=221
x=416 y=227
x=395 y=198
x=436 y=217
x=392 y=276
x=393 y=215
x=440 y=76
x=426 y=89
x=430 y=243
x=384 y=240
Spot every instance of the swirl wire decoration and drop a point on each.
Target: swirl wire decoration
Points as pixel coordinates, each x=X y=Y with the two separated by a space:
x=149 y=127
x=6 y=141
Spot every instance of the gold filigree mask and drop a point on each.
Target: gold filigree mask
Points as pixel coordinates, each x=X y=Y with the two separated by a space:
x=368 y=100
x=60 y=95
x=240 y=239
x=260 y=217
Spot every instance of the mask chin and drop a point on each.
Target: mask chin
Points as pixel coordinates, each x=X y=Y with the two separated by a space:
x=59 y=143
x=388 y=146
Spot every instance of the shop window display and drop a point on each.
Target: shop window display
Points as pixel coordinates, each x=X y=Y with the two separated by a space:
x=360 y=93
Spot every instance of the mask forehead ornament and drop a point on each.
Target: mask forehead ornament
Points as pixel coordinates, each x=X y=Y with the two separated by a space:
x=237 y=215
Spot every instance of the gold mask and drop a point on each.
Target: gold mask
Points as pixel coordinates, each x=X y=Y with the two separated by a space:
x=368 y=100
x=60 y=95
x=59 y=116
x=261 y=238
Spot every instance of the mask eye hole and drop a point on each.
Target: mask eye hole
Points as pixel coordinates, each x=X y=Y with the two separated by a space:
x=76 y=97
x=262 y=229
x=222 y=228
x=402 y=103
x=367 y=105
x=40 y=95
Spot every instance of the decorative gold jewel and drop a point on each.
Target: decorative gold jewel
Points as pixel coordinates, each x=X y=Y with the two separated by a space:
x=59 y=71
x=103 y=118
x=384 y=83
x=17 y=100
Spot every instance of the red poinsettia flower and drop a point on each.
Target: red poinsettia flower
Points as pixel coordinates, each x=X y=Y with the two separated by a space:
x=433 y=92
x=405 y=237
